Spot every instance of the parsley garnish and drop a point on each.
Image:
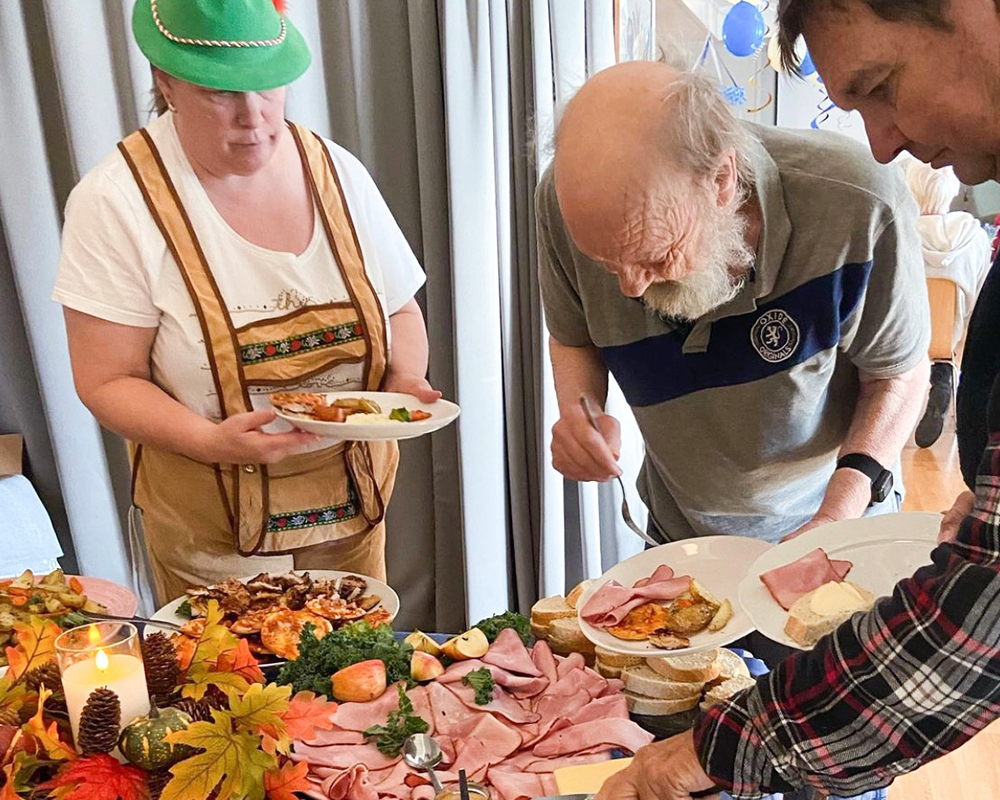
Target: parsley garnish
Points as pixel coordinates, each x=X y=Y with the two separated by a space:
x=399 y=726
x=482 y=681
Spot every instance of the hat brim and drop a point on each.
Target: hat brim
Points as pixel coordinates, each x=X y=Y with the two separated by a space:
x=232 y=69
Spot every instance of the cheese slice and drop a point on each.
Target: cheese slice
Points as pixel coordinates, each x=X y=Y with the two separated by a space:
x=588 y=778
x=832 y=599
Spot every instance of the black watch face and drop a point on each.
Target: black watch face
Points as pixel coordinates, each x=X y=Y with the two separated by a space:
x=881 y=486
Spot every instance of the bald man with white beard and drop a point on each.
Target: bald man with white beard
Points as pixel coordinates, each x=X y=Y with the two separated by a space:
x=757 y=293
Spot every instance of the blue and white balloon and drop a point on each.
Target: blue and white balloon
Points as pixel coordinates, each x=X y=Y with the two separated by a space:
x=743 y=29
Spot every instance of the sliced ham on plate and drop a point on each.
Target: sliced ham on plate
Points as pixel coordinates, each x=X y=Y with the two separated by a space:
x=610 y=603
x=788 y=583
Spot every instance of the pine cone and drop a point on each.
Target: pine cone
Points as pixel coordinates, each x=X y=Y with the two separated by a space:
x=99 y=723
x=216 y=698
x=198 y=710
x=159 y=658
x=47 y=674
x=157 y=782
x=9 y=716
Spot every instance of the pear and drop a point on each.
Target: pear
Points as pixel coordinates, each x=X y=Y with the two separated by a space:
x=471 y=644
x=423 y=643
x=424 y=666
x=359 y=682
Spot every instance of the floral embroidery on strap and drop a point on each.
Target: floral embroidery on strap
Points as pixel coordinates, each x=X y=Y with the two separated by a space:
x=344 y=333
x=311 y=518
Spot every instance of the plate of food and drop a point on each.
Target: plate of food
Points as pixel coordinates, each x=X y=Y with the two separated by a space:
x=802 y=589
x=673 y=599
x=363 y=416
x=58 y=597
x=270 y=611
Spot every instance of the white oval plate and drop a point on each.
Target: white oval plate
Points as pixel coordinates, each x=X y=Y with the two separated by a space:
x=443 y=412
x=884 y=549
x=389 y=598
x=717 y=562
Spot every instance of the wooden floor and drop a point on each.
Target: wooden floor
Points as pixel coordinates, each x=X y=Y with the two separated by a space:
x=972 y=772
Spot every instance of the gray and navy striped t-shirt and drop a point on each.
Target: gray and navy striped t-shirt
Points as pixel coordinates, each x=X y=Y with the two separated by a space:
x=744 y=411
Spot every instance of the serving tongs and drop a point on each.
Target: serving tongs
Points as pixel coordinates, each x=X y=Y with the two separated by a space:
x=156 y=623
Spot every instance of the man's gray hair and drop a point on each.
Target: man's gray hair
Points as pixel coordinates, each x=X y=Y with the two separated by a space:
x=699 y=129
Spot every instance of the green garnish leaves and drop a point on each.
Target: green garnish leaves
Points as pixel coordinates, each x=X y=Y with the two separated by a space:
x=482 y=681
x=399 y=726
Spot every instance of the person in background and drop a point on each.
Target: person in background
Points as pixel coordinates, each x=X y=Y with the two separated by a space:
x=918 y=675
x=769 y=356
x=220 y=255
x=956 y=248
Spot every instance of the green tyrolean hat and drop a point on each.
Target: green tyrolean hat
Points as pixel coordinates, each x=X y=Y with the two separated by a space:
x=233 y=45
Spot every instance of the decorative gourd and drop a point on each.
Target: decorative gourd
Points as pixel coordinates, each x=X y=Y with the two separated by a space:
x=144 y=740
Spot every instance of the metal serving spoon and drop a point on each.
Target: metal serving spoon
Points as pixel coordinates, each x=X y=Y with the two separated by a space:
x=420 y=751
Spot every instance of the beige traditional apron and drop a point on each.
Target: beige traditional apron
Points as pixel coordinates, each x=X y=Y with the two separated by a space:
x=207 y=522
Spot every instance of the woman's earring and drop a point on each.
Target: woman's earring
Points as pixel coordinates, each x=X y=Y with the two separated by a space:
x=171 y=107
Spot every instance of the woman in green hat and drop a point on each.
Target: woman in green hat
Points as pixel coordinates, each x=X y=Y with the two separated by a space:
x=221 y=255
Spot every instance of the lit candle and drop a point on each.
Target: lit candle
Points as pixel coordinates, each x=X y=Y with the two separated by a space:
x=108 y=658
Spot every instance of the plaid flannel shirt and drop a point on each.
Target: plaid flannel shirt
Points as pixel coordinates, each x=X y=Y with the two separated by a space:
x=907 y=682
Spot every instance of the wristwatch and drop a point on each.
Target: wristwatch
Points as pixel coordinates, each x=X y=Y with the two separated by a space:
x=880 y=477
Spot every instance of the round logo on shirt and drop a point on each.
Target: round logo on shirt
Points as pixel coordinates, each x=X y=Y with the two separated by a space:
x=775 y=336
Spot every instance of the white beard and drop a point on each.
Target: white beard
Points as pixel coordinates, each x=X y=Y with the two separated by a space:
x=722 y=266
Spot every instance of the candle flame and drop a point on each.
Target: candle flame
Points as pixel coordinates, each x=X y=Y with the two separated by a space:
x=94 y=635
x=102 y=661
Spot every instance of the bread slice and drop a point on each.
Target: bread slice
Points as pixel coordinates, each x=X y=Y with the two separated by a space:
x=731 y=665
x=807 y=627
x=539 y=631
x=606 y=671
x=549 y=609
x=576 y=591
x=655 y=707
x=642 y=680
x=564 y=636
x=726 y=689
x=702 y=667
x=612 y=659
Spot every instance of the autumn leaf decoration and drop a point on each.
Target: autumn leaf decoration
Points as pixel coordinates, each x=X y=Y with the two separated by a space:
x=36 y=644
x=47 y=736
x=98 y=778
x=220 y=659
x=230 y=756
x=281 y=784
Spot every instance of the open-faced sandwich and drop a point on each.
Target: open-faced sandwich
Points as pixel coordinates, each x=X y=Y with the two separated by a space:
x=813 y=591
x=663 y=609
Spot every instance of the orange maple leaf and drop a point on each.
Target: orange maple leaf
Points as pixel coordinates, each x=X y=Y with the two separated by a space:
x=99 y=778
x=36 y=642
x=281 y=784
x=242 y=662
x=307 y=714
x=47 y=737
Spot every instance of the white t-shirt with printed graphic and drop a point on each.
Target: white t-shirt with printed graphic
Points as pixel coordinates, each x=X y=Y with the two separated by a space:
x=115 y=265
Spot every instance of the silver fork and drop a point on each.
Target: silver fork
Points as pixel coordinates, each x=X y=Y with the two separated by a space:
x=588 y=410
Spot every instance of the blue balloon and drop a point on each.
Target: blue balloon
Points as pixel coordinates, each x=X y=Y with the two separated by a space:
x=807 y=68
x=743 y=29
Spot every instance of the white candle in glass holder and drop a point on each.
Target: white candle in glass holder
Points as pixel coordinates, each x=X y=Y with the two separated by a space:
x=107 y=657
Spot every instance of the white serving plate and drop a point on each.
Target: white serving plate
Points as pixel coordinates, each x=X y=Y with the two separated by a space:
x=717 y=562
x=443 y=412
x=884 y=549
x=389 y=598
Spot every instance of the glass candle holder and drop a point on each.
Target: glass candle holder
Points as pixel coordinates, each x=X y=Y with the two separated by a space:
x=102 y=655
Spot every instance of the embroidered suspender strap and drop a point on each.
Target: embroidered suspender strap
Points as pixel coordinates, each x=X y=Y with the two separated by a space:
x=221 y=341
x=329 y=196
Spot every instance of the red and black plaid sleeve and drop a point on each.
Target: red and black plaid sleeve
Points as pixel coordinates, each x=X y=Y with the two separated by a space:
x=889 y=690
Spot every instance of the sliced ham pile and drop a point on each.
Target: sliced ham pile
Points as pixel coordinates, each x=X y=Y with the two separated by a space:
x=788 y=583
x=547 y=712
x=609 y=604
